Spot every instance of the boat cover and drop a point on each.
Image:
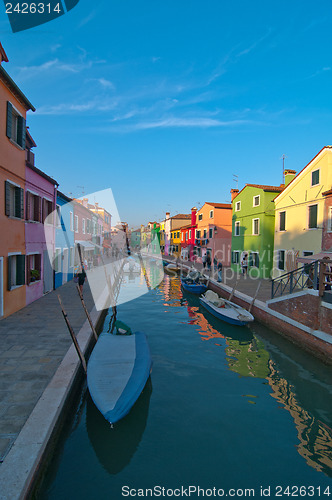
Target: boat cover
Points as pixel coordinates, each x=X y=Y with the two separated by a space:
x=118 y=369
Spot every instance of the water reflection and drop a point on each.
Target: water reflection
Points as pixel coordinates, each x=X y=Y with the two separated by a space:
x=293 y=386
x=115 y=447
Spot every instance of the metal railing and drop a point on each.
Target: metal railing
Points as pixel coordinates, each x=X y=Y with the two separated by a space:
x=299 y=279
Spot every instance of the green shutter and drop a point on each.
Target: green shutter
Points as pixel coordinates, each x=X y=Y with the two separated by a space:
x=20 y=270
x=9 y=273
x=9 y=119
x=19 y=200
x=24 y=132
x=22 y=203
x=312 y=216
x=7 y=198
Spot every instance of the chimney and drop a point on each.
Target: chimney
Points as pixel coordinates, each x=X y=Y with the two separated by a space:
x=85 y=202
x=234 y=192
x=193 y=216
x=3 y=55
x=289 y=176
x=167 y=215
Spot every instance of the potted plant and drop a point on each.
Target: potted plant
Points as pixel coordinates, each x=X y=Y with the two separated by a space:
x=35 y=275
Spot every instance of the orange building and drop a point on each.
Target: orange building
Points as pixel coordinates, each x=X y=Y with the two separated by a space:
x=13 y=108
x=214 y=232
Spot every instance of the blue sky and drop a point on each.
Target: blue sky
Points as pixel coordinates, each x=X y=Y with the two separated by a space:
x=164 y=101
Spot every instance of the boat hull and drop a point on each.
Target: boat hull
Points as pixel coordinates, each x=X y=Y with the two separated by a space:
x=196 y=289
x=118 y=369
x=223 y=317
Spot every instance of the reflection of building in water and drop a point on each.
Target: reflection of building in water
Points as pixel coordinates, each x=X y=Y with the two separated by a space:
x=315 y=436
x=207 y=331
x=247 y=358
x=172 y=291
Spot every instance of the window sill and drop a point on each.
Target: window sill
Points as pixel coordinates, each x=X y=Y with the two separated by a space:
x=34 y=282
x=15 y=218
x=16 y=145
x=14 y=287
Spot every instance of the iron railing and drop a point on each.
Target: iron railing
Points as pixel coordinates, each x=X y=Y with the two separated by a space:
x=304 y=277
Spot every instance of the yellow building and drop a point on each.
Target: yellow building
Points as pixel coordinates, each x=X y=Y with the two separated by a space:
x=299 y=211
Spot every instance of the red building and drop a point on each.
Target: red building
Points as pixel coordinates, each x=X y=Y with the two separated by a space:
x=188 y=237
x=327 y=222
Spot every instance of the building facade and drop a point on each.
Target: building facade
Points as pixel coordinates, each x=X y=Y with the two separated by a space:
x=64 y=240
x=213 y=234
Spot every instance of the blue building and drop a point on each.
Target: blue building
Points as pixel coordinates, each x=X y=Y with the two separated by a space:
x=64 y=241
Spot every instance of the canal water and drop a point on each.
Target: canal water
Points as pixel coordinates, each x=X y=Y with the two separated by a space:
x=226 y=407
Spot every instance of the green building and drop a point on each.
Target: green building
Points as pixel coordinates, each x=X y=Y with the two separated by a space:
x=253 y=228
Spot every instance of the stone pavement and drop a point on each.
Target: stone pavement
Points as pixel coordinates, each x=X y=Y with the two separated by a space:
x=33 y=343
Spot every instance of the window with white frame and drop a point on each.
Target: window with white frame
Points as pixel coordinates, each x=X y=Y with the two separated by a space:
x=211 y=214
x=16 y=126
x=315 y=177
x=33 y=268
x=83 y=226
x=14 y=200
x=255 y=226
x=57 y=260
x=235 y=257
x=282 y=221
x=237 y=206
x=237 y=228
x=256 y=201
x=72 y=256
x=254 y=259
x=189 y=233
x=211 y=232
x=200 y=216
x=16 y=270
x=33 y=207
x=76 y=223
x=71 y=221
x=281 y=259
x=205 y=233
x=198 y=234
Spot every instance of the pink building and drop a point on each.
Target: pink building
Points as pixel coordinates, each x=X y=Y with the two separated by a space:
x=188 y=237
x=40 y=196
x=327 y=222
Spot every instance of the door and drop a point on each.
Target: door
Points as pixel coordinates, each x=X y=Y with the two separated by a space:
x=48 y=273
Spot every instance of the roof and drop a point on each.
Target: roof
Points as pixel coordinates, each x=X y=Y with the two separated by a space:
x=59 y=193
x=186 y=227
x=327 y=193
x=181 y=216
x=9 y=82
x=3 y=53
x=264 y=187
x=219 y=205
x=325 y=147
x=30 y=139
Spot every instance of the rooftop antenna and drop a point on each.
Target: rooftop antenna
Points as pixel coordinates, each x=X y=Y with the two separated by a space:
x=236 y=179
x=283 y=168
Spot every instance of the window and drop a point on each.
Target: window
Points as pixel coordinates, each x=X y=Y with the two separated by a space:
x=254 y=259
x=256 y=201
x=211 y=214
x=282 y=221
x=88 y=226
x=71 y=221
x=237 y=228
x=33 y=268
x=211 y=232
x=33 y=207
x=237 y=206
x=189 y=233
x=235 y=257
x=204 y=234
x=315 y=177
x=76 y=223
x=83 y=226
x=72 y=255
x=281 y=260
x=16 y=271
x=178 y=234
x=182 y=236
x=57 y=260
x=313 y=217
x=198 y=234
x=16 y=126
x=14 y=200
x=255 y=226
x=186 y=236
x=200 y=216
x=48 y=212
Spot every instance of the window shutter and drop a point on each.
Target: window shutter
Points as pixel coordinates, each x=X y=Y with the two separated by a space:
x=20 y=270
x=22 y=203
x=9 y=119
x=22 y=135
x=9 y=273
x=44 y=210
x=28 y=205
x=7 y=198
x=18 y=201
x=313 y=216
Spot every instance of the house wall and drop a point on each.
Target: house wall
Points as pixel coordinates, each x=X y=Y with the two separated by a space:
x=263 y=243
x=327 y=227
x=220 y=243
x=12 y=168
x=64 y=238
x=39 y=237
x=295 y=200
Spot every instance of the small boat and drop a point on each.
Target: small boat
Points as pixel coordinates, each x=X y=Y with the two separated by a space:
x=172 y=268
x=191 y=286
x=118 y=369
x=225 y=310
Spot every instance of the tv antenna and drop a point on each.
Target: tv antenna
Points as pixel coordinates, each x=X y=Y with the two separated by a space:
x=236 y=179
x=283 y=168
x=82 y=187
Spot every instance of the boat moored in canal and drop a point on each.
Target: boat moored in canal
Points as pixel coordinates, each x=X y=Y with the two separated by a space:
x=118 y=370
x=225 y=310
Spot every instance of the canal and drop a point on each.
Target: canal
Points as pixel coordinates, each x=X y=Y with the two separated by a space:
x=226 y=407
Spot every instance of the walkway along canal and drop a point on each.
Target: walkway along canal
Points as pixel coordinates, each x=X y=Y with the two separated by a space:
x=225 y=407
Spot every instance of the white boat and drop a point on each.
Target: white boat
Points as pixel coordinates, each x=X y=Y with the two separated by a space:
x=225 y=310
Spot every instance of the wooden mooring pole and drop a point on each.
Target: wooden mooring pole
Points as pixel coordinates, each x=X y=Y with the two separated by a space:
x=87 y=313
x=232 y=292
x=74 y=339
x=256 y=293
